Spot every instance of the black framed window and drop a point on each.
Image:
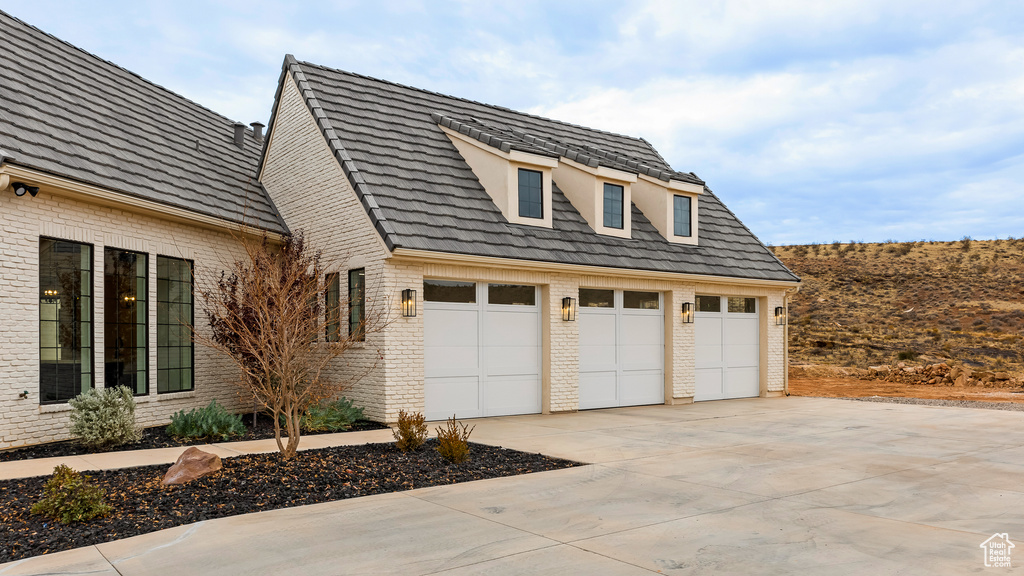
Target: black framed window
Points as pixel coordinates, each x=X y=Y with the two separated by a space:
x=175 y=316
x=709 y=303
x=449 y=291
x=357 y=304
x=681 y=215
x=125 y=319
x=531 y=194
x=332 y=307
x=614 y=197
x=65 y=320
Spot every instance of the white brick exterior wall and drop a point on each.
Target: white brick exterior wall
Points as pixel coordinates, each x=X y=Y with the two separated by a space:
x=25 y=219
x=313 y=195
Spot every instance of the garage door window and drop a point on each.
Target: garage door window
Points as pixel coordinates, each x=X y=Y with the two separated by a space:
x=640 y=300
x=709 y=303
x=449 y=291
x=591 y=298
x=742 y=305
x=511 y=294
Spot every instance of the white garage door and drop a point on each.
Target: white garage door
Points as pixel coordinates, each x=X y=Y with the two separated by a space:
x=728 y=359
x=482 y=349
x=622 y=348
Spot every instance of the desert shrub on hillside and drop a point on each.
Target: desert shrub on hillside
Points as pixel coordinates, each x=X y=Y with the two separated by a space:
x=965 y=243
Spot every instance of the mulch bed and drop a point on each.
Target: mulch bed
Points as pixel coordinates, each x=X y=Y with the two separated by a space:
x=250 y=483
x=159 y=438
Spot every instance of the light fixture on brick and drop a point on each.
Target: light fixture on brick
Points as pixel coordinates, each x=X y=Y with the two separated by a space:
x=569 y=309
x=409 y=303
x=687 y=312
x=780 y=316
x=20 y=188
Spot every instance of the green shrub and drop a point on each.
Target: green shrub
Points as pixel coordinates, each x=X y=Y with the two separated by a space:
x=452 y=441
x=907 y=355
x=411 y=432
x=103 y=418
x=336 y=416
x=213 y=421
x=68 y=497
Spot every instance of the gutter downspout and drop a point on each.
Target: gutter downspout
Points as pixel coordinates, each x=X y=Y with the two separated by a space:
x=785 y=303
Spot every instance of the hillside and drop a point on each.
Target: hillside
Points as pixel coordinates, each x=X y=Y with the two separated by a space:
x=870 y=304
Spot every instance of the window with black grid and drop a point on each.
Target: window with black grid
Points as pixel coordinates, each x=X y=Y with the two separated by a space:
x=175 y=315
x=126 y=319
x=65 y=320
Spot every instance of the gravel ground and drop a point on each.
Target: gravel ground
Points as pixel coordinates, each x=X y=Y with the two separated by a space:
x=159 y=438
x=1012 y=406
x=250 y=483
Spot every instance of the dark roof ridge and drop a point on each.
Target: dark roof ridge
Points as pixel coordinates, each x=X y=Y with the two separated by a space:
x=478 y=103
x=121 y=68
x=365 y=195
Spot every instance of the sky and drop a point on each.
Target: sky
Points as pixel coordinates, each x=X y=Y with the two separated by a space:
x=864 y=120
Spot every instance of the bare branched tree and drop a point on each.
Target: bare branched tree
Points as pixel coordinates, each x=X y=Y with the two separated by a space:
x=267 y=314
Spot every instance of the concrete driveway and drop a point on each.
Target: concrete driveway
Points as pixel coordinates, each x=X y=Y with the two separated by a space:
x=760 y=486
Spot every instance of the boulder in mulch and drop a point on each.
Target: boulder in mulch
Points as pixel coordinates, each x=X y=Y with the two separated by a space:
x=193 y=463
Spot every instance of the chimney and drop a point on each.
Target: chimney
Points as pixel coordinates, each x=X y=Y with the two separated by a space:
x=257 y=130
x=239 y=134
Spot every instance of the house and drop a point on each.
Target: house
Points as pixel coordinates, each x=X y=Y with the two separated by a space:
x=540 y=266
x=526 y=265
x=113 y=192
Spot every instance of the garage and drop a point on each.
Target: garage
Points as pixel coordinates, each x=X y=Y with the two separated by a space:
x=482 y=349
x=727 y=349
x=622 y=348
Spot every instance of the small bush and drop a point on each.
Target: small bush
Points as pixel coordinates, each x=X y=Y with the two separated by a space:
x=213 y=421
x=68 y=497
x=104 y=418
x=907 y=354
x=452 y=441
x=411 y=432
x=336 y=416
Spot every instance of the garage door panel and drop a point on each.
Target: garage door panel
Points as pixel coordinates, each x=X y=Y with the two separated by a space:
x=503 y=328
x=709 y=384
x=597 y=389
x=708 y=345
x=741 y=332
x=642 y=357
x=448 y=328
x=742 y=383
x=511 y=395
x=642 y=387
x=444 y=396
x=511 y=360
x=741 y=356
x=645 y=330
x=596 y=329
x=449 y=361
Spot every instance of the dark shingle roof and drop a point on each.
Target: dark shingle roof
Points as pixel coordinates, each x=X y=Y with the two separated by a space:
x=69 y=113
x=422 y=195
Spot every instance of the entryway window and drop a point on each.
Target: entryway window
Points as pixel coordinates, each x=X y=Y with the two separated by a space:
x=65 y=320
x=175 y=316
x=125 y=319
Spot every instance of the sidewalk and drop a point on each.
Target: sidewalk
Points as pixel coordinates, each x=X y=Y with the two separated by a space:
x=131 y=458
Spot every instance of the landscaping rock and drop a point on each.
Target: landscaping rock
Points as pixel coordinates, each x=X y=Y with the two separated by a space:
x=192 y=464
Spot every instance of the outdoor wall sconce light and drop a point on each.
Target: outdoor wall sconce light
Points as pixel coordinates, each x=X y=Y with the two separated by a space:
x=687 y=312
x=569 y=309
x=409 y=303
x=20 y=188
x=780 y=316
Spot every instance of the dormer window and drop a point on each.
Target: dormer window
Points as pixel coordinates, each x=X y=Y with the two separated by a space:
x=614 y=195
x=681 y=214
x=531 y=193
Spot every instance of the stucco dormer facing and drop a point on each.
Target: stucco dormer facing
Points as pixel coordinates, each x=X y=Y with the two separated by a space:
x=498 y=173
x=584 y=186
x=655 y=198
